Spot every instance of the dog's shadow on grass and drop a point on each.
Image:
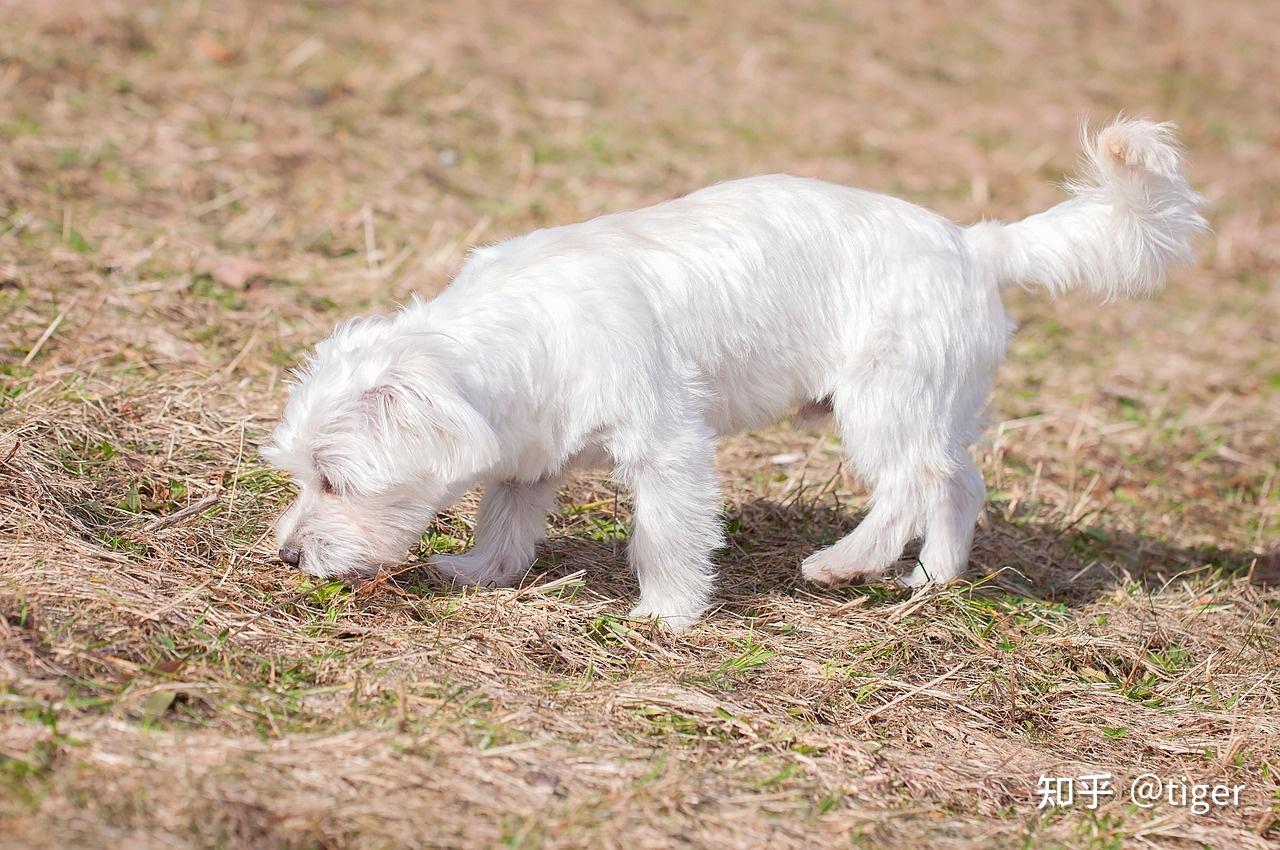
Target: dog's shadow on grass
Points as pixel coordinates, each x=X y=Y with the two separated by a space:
x=1071 y=565
x=767 y=540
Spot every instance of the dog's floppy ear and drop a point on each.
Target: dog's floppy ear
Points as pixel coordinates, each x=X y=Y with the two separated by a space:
x=427 y=422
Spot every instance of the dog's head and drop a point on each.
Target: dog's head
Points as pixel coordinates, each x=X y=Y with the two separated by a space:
x=378 y=435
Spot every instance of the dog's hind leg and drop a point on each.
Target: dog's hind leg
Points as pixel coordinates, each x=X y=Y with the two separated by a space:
x=511 y=521
x=910 y=450
x=877 y=542
x=676 y=528
x=893 y=449
x=948 y=532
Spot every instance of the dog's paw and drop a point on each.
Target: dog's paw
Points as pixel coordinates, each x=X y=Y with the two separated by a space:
x=674 y=622
x=474 y=570
x=918 y=577
x=923 y=577
x=823 y=567
x=460 y=569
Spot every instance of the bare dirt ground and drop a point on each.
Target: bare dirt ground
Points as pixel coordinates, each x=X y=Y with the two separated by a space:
x=193 y=192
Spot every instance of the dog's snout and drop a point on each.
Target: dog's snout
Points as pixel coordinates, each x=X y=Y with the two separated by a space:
x=291 y=555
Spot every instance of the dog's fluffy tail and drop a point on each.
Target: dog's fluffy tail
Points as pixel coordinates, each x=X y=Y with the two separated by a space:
x=1128 y=222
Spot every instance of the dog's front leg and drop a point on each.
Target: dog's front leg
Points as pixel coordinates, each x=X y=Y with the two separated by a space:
x=511 y=520
x=676 y=527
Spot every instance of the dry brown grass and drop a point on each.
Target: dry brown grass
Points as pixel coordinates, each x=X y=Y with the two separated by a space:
x=190 y=193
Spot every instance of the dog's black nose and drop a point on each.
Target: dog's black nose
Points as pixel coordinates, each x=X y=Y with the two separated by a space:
x=291 y=555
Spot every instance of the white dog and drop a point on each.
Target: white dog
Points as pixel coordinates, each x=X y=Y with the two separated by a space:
x=635 y=339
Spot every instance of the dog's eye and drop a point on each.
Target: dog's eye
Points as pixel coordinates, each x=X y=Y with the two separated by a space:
x=326 y=486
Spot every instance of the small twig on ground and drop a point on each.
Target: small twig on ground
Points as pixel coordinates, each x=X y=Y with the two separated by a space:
x=913 y=692
x=193 y=509
x=48 y=332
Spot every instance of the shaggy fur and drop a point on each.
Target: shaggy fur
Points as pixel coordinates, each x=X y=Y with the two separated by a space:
x=635 y=339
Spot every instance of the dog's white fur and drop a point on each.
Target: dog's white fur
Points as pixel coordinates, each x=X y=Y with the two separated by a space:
x=636 y=338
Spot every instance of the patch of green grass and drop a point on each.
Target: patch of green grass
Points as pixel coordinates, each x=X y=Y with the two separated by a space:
x=20 y=125
x=436 y=542
x=119 y=542
x=330 y=600
x=667 y=721
x=14 y=381
x=147 y=495
x=258 y=479
x=655 y=772
x=605 y=529
x=752 y=657
x=77 y=242
x=611 y=630
x=876 y=593
x=93 y=459
x=828 y=803
x=24 y=775
x=777 y=778
x=203 y=286
x=1171 y=659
